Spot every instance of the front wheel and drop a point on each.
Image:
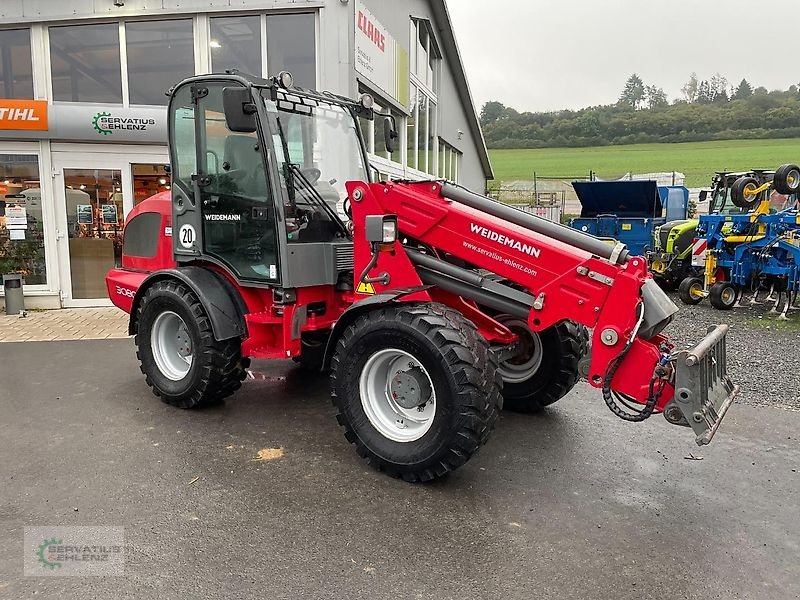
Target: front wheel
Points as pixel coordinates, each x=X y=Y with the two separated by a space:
x=182 y=362
x=545 y=367
x=416 y=388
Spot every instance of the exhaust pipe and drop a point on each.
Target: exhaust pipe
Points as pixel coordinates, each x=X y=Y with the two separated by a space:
x=617 y=254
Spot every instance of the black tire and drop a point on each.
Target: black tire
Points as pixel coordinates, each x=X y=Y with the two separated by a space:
x=787 y=179
x=723 y=295
x=739 y=193
x=461 y=368
x=217 y=368
x=557 y=349
x=688 y=291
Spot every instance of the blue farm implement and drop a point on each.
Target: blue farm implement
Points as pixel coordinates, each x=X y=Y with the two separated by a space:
x=752 y=251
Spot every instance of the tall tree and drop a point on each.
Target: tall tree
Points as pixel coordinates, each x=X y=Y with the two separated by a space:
x=491 y=112
x=718 y=88
x=705 y=95
x=744 y=91
x=634 y=93
x=690 y=89
x=655 y=97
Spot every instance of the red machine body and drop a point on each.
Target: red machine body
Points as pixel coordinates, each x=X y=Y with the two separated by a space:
x=551 y=270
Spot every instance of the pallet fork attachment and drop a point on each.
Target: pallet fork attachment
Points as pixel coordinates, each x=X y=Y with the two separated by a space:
x=703 y=390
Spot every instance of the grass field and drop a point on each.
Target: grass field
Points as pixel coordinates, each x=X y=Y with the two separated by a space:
x=697 y=160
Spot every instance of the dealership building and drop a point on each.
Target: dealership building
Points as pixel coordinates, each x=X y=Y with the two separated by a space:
x=83 y=127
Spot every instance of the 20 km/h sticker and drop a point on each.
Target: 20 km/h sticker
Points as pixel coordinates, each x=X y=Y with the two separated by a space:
x=187 y=236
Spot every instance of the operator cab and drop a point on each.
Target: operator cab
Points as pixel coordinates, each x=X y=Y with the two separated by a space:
x=259 y=172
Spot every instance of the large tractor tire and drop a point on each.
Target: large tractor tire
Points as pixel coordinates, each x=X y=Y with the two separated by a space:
x=182 y=362
x=546 y=367
x=722 y=295
x=690 y=291
x=787 y=179
x=416 y=388
x=742 y=193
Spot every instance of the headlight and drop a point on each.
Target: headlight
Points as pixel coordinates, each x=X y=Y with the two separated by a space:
x=366 y=101
x=286 y=80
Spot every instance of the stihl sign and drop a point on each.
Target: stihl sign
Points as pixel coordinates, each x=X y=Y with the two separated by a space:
x=26 y=115
x=372 y=31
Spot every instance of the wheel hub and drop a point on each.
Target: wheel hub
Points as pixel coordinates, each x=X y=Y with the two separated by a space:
x=397 y=395
x=528 y=358
x=171 y=345
x=410 y=388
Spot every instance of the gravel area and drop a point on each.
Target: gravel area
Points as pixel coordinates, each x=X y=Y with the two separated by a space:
x=763 y=354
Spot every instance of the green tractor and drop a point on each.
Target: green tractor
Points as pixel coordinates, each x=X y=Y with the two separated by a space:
x=674 y=245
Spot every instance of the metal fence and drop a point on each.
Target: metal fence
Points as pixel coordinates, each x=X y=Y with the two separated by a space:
x=549 y=205
x=545 y=192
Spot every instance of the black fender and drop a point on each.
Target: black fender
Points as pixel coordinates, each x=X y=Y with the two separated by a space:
x=222 y=302
x=359 y=308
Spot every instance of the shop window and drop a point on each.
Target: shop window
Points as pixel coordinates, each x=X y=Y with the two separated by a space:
x=236 y=43
x=373 y=130
x=449 y=158
x=21 y=225
x=425 y=54
x=94 y=227
x=411 y=128
x=423 y=109
x=149 y=180
x=85 y=63
x=160 y=54
x=421 y=131
x=16 y=79
x=291 y=46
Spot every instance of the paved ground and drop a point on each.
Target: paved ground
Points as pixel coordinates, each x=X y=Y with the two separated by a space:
x=66 y=324
x=572 y=504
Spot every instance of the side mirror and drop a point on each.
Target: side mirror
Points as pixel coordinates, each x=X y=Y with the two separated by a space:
x=240 y=111
x=390 y=134
x=703 y=196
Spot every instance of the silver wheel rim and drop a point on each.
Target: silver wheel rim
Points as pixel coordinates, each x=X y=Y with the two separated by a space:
x=728 y=295
x=378 y=390
x=172 y=346
x=793 y=179
x=525 y=365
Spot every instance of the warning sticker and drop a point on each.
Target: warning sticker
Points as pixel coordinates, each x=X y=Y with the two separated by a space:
x=365 y=288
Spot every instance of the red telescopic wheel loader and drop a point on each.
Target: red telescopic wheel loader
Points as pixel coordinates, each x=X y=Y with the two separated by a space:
x=430 y=305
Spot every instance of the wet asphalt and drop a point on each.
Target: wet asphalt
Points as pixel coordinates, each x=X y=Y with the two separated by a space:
x=572 y=503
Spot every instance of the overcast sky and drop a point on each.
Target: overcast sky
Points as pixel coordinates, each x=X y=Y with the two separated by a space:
x=542 y=55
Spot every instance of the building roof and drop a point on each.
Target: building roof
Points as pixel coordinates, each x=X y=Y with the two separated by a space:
x=448 y=38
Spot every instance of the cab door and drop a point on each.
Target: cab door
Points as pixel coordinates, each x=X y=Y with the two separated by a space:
x=222 y=198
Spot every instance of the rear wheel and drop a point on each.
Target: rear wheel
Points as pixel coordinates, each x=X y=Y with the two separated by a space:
x=722 y=295
x=182 y=362
x=690 y=291
x=416 y=388
x=742 y=192
x=545 y=368
x=787 y=179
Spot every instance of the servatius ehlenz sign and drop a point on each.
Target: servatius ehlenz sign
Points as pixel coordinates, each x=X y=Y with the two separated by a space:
x=379 y=57
x=98 y=123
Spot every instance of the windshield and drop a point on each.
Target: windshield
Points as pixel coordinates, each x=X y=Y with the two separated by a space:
x=321 y=143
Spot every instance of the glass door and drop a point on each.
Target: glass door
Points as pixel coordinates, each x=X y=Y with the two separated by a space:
x=94 y=193
x=94 y=219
